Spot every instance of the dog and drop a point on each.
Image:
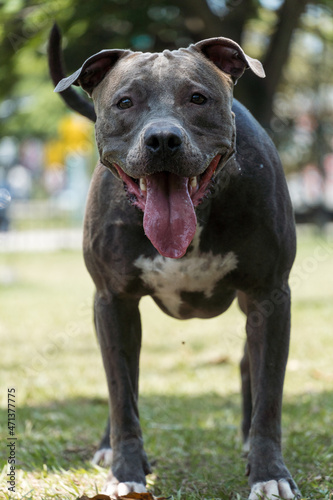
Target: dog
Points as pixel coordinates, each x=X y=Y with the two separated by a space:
x=188 y=204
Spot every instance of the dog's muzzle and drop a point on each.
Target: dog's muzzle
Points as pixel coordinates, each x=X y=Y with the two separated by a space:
x=168 y=202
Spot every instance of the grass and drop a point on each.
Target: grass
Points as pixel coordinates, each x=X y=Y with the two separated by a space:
x=190 y=403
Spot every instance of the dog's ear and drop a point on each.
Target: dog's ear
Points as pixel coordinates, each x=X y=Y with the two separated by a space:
x=93 y=70
x=228 y=56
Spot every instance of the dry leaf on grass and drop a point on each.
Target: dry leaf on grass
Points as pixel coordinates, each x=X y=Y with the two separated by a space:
x=142 y=496
x=96 y=497
x=136 y=496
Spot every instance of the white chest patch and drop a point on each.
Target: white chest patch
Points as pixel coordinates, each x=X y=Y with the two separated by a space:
x=195 y=272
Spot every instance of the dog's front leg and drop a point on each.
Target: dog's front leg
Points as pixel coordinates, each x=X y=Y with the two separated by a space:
x=268 y=331
x=119 y=332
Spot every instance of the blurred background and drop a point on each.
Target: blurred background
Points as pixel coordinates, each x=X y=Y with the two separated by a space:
x=49 y=352
x=47 y=153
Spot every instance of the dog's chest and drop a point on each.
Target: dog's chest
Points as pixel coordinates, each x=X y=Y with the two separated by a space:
x=197 y=272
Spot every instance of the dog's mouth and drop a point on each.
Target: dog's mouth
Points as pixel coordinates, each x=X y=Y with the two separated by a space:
x=168 y=202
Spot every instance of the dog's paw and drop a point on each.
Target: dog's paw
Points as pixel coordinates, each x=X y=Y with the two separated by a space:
x=272 y=490
x=115 y=490
x=246 y=448
x=102 y=457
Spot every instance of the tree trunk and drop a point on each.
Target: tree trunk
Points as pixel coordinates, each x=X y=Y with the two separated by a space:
x=230 y=26
x=256 y=94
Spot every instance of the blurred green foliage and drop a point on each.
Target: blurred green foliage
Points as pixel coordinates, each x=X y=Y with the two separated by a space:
x=292 y=39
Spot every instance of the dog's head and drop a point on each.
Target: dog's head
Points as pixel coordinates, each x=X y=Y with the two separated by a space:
x=165 y=127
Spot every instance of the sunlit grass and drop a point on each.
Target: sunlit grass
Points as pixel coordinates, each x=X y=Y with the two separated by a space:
x=190 y=403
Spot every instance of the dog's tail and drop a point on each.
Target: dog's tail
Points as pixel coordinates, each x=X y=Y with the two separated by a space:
x=71 y=97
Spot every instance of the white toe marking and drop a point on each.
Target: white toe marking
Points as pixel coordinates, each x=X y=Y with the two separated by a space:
x=111 y=489
x=103 y=456
x=195 y=272
x=115 y=490
x=271 y=490
x=285 y=490
x=125 y=488
x=246 y=447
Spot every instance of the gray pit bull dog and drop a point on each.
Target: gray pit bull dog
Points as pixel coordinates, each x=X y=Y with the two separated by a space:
x=188 y=204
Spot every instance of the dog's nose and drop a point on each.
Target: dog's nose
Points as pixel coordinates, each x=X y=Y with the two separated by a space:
x=163 y=139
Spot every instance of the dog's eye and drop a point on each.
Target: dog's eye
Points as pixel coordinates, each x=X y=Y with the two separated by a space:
x=198 y=99
x=125 y=103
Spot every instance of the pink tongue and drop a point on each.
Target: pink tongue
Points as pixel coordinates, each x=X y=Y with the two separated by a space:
x=169 y=218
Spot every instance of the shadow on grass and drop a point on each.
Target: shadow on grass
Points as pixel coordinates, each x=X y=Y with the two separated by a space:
x=193 y=442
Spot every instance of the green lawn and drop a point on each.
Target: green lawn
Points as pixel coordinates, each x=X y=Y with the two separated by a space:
x=190 y=403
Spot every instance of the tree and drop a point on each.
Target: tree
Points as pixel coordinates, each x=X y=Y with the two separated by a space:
x=264 y=30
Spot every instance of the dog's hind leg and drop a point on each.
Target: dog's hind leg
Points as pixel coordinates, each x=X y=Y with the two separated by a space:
x=246 y=384
x=246 y=399
x=103 y=455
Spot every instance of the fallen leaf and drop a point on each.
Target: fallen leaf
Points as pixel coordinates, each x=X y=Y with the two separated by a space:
x=100 y=496
x=133 y=495
x=320 y=375
x=141 y=496
x=220 y=360
x=138 y=496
